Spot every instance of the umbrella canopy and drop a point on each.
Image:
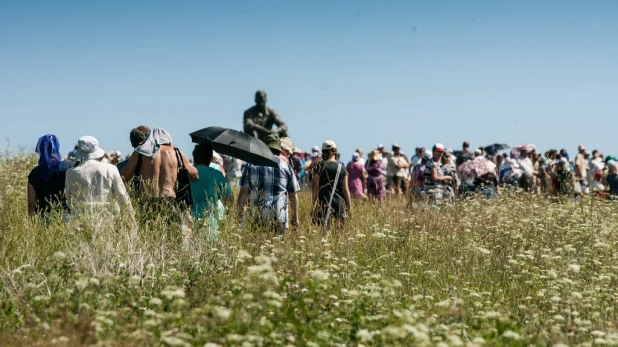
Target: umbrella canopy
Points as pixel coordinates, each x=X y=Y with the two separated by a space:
x=497 y=146
x=516 y=152
x=475 y=168
x=236 y=144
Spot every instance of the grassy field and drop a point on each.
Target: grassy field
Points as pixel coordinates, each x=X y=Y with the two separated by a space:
x=520 y=271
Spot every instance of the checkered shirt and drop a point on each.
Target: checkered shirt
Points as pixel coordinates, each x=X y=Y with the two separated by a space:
x=270 y=187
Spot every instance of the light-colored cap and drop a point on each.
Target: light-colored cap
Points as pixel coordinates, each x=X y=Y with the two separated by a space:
x=355 y=156
x=396 y=145
x=427 y=154
x=581 y=148
x=315 y=149
x=88 y=148
x=380 y=146
x=477 y=152
x=286 y=144
x=329 y=144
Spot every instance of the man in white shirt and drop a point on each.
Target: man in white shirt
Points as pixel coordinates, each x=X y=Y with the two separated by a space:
x=94 y=184
x=398 y=170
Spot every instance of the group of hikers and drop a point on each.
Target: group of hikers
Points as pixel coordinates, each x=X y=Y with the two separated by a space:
x=158 y=179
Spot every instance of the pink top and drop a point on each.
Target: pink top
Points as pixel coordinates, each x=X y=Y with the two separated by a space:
x=356 y=170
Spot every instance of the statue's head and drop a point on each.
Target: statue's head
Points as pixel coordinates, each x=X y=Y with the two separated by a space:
x=260 y=99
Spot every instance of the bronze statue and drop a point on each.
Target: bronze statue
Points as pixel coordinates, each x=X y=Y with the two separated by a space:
x=259 y=120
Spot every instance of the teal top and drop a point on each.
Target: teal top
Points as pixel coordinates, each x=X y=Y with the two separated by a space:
x=208 y=192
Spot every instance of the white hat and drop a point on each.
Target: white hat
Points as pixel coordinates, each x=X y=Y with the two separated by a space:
x=355 y=156
x=427 y=154
x=88 y=148
x=286 y=144
x=380 y=146
x=329 y=144
x=315 y=149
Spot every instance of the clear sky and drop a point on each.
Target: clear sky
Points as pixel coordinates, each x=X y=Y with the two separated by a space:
x=358 y=72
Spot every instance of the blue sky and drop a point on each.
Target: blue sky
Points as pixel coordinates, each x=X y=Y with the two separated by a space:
x=358 y=72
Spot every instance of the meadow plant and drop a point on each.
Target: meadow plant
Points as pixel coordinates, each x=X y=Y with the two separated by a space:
x=517 y=271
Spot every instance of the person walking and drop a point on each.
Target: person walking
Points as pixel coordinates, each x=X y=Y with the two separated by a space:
x=157 y=164
x=46 y=182
x=375 y=178
x=357 y=181
x=398 y=167
x=330 y=193
x=270 y=190
x=435 y=180
x=94 y=186
x=209 y=191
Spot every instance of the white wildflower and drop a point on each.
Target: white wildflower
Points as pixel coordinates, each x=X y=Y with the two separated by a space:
x=172 y=292
x=483 y=250
x=574 y=267
x=222 y=312
x=155 y=302
x=319 y=275
x=509 y=334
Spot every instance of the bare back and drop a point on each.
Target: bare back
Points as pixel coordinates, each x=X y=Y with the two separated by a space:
x=160 y=173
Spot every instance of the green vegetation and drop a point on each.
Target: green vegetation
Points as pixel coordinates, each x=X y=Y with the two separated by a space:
x=520 y=271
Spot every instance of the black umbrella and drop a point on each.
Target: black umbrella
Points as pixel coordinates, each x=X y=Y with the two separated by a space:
x=236 y=144
x=498 y=146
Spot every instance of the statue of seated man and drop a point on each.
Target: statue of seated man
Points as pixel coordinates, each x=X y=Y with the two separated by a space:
x=258 y=121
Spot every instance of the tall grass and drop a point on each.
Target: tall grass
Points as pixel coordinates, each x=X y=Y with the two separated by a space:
x=519 y=271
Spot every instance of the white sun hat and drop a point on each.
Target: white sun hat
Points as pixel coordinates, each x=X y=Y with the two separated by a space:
x=88 y=148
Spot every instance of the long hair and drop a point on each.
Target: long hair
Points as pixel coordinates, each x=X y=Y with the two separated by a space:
x=328 y=153
x=48 y=148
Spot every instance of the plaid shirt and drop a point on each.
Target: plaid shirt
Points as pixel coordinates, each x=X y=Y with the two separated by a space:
x=270 y=187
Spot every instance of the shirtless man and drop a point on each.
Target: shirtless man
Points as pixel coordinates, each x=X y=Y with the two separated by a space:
x=258 y=121
x=159 y=168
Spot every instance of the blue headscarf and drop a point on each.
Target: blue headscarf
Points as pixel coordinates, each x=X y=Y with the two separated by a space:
x=48 y=148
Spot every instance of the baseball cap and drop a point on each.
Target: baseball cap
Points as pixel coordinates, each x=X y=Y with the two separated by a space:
x=581 y=148
x=355 y=156
x=427 y=154
x=380 y=146
x=438 y=147
x=396 y=145
x=329 y=144
x=315 y=149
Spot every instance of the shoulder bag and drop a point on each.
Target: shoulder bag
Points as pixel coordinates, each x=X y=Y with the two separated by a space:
x=136 y=181
x=332 y=195
x=184 y=197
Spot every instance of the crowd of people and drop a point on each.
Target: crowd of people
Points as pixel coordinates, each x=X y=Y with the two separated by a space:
x=90 y=179
x=162 y=182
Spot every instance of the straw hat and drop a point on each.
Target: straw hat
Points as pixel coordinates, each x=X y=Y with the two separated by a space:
x=375 y=155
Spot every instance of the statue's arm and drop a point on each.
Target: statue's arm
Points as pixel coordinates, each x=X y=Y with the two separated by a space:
x=282 y=127
x=251 y=126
